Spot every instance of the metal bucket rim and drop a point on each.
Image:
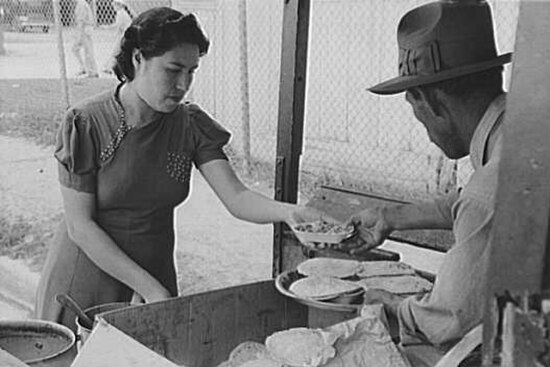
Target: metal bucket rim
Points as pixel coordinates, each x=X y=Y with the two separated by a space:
x=93 y=308
x=60 y=329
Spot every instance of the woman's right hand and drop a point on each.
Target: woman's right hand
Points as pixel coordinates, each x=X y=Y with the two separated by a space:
x=156 y=294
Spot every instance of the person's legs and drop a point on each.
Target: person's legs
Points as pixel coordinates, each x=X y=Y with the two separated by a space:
x=77 y=46
x=89 y=55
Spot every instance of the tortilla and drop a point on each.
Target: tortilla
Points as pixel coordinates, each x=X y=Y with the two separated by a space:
x=322 y=287
x=262 y=362
x=247 y=351
x=402 y=284
x=383 y=268
x=300 y=347
x=329 y=267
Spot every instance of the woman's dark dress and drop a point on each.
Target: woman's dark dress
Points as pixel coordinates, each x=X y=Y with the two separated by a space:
x=137 y=187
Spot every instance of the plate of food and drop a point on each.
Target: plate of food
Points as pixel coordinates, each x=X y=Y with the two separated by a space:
x=404 y=285
x=329 y=266
x=323 y=288
x=322 y=232
x=368 y=269
x=347 y=299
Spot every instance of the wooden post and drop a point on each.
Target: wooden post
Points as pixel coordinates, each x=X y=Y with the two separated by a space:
x=61 y=51
x=292 y=96
x=520 y=239
x=2 y=48
x=243 y=24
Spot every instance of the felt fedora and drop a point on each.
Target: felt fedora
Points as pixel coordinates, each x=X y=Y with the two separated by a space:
x=443 y=40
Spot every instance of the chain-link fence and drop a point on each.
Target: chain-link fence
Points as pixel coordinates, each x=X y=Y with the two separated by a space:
x=359 y=139
x=352 y=137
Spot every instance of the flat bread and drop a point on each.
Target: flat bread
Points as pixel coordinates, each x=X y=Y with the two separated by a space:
x=402 y=284
x=247 y=351
x=383 y=268
x=329 y=267
x=322 y=287
x=262 y=362
x=300 y=347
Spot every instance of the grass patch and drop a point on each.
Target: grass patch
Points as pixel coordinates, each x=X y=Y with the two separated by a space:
x=29 y=241
x=34 y=108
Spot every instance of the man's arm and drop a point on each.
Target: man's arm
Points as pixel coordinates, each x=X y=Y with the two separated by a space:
x=374 y=225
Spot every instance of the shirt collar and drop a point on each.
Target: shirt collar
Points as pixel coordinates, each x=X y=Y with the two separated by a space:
x=481 y=135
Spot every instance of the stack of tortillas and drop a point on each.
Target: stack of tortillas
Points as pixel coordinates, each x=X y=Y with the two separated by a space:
x=402 y=284
x=301 y=347
x=321 y=288
x=298 y=347
x=250 y=354
x=329 y=267
x=327 y=278
x=369 y=269
x=324 y=278
x=392 y=276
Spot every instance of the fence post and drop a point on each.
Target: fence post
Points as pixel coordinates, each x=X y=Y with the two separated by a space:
x=292 y=96
x=2 y=48
x=61 y=51
x=245 y=103
x=2 y=15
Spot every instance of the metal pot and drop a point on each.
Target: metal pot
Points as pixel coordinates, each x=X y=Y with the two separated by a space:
x=38 y=343
x=83 y=332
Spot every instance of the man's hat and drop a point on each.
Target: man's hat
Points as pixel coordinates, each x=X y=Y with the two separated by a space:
x=443 y=40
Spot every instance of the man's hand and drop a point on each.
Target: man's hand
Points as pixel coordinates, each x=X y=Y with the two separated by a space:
x=390 y=301
x=372 y=229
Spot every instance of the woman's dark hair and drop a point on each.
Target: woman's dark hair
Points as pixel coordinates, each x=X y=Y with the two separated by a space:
x=155 y=32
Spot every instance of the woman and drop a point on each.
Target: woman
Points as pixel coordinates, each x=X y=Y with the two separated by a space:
x=123 y=19
x=125 y=160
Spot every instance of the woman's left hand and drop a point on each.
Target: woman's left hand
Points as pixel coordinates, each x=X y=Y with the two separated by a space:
x=301 y=214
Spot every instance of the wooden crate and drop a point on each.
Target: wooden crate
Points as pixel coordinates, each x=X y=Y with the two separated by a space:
x=201 y=330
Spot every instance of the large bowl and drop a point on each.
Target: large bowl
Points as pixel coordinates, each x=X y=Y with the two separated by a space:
x=82 y=332
x=347 y=302
x=38 y=343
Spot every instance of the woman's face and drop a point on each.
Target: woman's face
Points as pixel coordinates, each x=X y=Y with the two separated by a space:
x=163 y=81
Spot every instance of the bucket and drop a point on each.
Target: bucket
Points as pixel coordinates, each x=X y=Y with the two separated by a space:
x=38 y=343
x=82 y=333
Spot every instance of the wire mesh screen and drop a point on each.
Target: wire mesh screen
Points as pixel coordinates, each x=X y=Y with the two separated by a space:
x=351 y=137
x=358 y=139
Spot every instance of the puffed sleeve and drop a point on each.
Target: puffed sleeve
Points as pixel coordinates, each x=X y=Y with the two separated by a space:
x=209 y=136
x=75 y=152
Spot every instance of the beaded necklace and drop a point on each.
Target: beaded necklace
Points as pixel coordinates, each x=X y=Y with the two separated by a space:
x=120 y=133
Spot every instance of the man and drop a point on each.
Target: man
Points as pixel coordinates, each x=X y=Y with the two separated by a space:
x=85 y=23
x=452 y=78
